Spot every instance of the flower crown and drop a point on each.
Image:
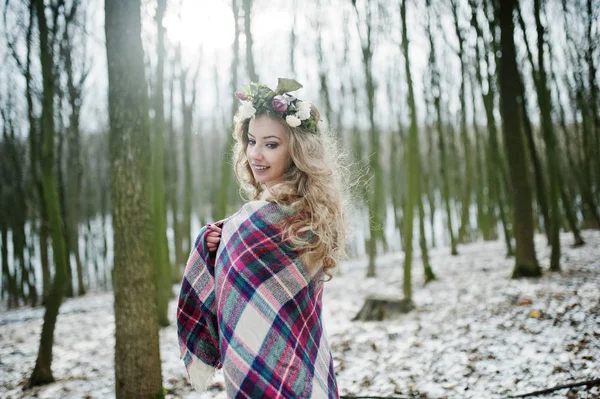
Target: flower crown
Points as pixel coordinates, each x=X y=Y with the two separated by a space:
x=279 y=103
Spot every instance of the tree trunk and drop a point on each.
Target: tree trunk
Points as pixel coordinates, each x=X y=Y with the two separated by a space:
x=162 y=272
x=526 y=262
x=172 y=184
x=396 y=181
x=429 y=181
x=376 y=200
x=137 y=357
x=428 y=274
x=60 y=180
x=247 y=4
x=42 y=373
x=323 y=86
x=443 y=165
x=413 y=161
x=492 y=200
x=35 y=159
x=483 y=220
x=464 y=230
x=565 y=197
x=550 y=140
x=187 y=109
x=293 y=38
x=220 y=211
x=74 y=163
x=379 y=309
x=538 y=172
x=9 y=285
x=104 y=231
x=499 y=182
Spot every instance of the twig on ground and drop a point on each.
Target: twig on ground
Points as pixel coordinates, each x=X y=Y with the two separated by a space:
x=558 y=388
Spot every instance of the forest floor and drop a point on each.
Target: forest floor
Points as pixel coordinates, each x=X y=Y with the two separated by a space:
x=476 y=333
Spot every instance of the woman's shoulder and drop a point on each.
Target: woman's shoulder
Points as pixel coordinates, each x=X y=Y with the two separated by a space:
x=253 y=206
x=260 y=210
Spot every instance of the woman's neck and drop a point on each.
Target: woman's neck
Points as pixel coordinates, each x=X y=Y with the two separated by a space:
x=265 y=195
x=275 y=188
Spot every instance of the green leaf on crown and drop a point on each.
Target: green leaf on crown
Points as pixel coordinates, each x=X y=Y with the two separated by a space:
x=286 y=85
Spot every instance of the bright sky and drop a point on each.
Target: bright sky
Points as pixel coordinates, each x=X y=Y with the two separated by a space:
x=200 y=22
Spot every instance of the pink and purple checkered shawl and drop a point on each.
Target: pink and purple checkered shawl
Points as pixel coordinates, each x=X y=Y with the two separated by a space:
x=255 y=311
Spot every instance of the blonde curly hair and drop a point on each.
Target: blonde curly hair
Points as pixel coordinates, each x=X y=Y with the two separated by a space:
x=316 y=185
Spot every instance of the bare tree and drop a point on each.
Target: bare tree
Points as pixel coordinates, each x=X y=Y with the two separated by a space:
x=526 y=262
x=376 y=199
x=413 y=165
x=42 y=373
x=538 y=172
x=464 y=229
x=442 y=149
x=162 y=271
x=74 y=167
x=188 y=102
x=544 y=100
x=137 y=358
x=226 y=172
x=247 y=5
x=497 y=167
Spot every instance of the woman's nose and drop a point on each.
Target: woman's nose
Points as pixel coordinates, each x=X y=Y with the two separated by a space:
x=255 y=153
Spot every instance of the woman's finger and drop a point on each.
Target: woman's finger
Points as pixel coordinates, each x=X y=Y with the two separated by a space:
x=213 y=229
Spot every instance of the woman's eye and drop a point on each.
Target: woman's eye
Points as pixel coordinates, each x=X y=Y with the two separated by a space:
x=272 y=145
x=251 y=142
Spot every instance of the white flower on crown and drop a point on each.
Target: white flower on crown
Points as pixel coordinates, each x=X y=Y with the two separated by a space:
x=293 y=121
x=246 y=110
x=303 y=110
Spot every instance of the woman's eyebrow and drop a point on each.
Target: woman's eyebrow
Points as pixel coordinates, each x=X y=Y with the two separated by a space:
x=267 y=137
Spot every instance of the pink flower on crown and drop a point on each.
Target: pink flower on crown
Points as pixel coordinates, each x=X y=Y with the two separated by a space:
x=241 y=96
x=279 y=104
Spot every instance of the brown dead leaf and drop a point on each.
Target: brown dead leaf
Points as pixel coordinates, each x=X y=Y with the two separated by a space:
x=524 y=301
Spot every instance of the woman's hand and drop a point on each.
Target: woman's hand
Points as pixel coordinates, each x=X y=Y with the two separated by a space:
x=213 y=237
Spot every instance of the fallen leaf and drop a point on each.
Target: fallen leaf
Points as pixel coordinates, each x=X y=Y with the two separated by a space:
x=524 y=301
x=535 y=314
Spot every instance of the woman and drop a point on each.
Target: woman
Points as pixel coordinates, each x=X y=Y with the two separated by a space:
x=251 y=296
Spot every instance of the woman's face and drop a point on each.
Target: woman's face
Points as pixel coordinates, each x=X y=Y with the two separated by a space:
x=267 y=150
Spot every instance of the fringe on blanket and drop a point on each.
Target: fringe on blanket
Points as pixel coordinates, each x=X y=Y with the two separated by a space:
x=200 y=373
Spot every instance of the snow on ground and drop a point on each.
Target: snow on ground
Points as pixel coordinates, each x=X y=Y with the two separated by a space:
x=475 y=334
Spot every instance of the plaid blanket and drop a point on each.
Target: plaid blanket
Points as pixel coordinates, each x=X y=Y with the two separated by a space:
x=255 y=311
